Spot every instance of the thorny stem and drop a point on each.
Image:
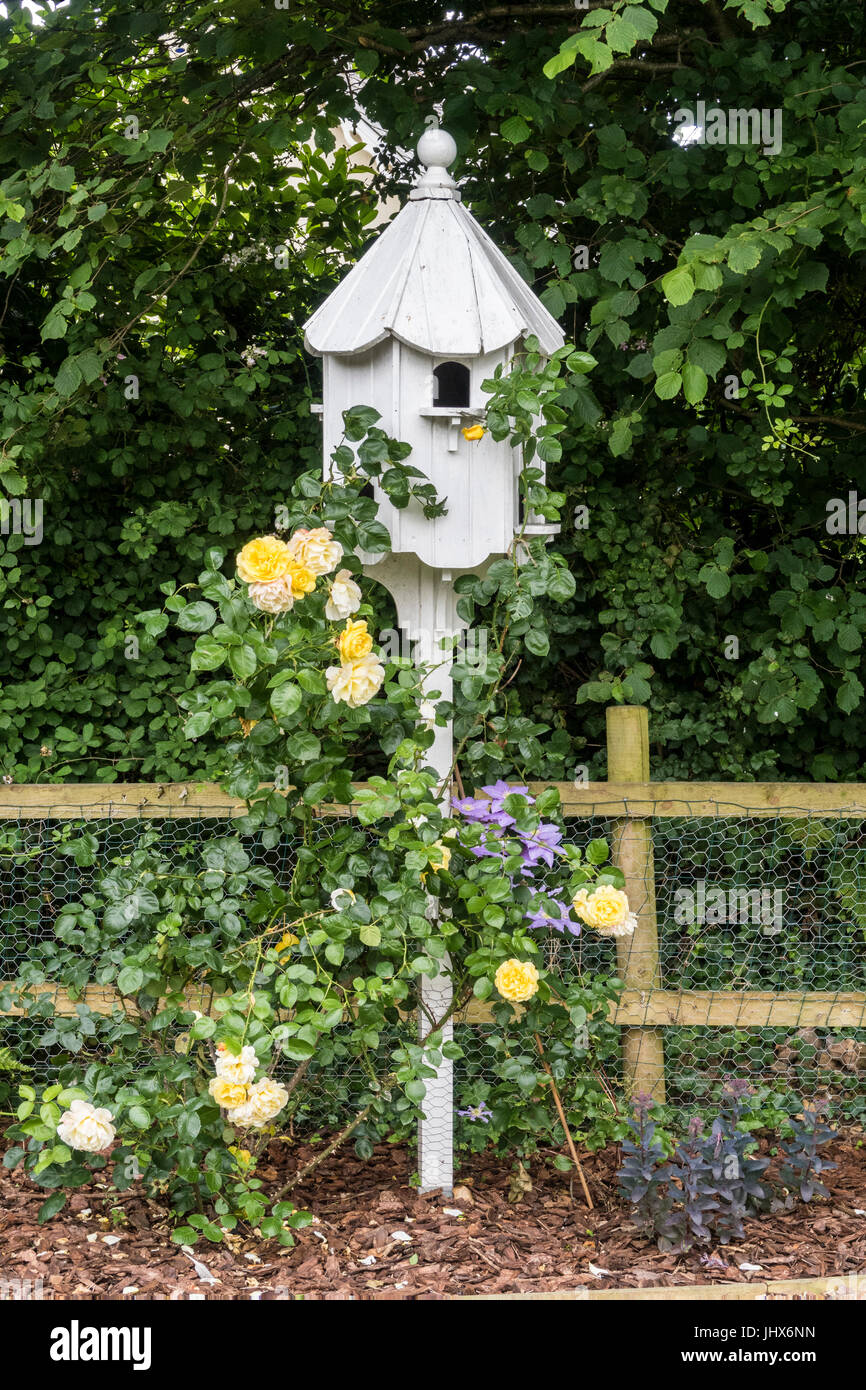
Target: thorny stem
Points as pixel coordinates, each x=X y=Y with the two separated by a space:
x=388 y=1080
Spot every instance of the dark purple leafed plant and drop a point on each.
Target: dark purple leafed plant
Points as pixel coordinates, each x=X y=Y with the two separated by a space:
x=644 y=1171
x=709 y=1186
x=803 y=1161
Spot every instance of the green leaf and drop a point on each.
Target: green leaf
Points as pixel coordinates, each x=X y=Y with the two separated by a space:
x=184 y=1235
x=515 y=130
x=188 y=1125
x=286 y=699
x=69 y=377
x=196 y=617
x=717 y=582
x=55 y=1203
x=243 y=661
x=130 y=979
x=706 y=275
x=537 y=642
x=61 y=177
x=849 y=694
x=559 y=62
x=678 y=286
x=303 y=746
x=667 y=385
x=744 y=256
x=620 y=437
x=694 y=383
x=208 y=654
x=198 y=724
x=707 y=354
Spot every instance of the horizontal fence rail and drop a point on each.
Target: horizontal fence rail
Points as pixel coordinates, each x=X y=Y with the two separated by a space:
x=638 y=800
x=661 y=1008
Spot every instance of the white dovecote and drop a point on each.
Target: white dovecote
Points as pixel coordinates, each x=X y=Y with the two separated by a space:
x=426 y=315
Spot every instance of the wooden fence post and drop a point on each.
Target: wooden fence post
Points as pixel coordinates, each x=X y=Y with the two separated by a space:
x=632 y=852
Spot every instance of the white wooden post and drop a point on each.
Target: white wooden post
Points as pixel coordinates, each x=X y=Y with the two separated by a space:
x=427 y=610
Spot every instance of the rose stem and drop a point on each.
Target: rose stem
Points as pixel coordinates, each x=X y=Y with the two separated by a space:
x=564 y=1123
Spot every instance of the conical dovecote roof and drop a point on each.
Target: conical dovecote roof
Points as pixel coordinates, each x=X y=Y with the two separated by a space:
x=433 y=279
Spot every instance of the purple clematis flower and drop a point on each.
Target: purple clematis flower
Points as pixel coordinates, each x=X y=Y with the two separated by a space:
x=477 y=1112
x=541 y=847
x=498 y=792
x=539 y=920
x=472 y=807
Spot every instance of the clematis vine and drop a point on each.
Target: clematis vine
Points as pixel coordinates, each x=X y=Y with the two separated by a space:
x=538 y=849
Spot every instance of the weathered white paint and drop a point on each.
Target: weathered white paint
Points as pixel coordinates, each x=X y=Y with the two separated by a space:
x=432 y=288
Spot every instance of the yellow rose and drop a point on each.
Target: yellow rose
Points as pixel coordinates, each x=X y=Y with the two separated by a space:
x=316 y=550
x=355 y=682
x=302 y=580
x=516 y=980
x=473 y=432
x=263 y=560
x=228 y=1094
x=266 y=1100
x=354 y=641
x=605 y=909
x=444 y=856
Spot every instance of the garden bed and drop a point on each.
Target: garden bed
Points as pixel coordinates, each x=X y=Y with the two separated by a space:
x=375 y=1236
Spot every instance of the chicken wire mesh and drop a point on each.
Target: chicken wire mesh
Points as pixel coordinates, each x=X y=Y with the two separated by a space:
x=774 y=904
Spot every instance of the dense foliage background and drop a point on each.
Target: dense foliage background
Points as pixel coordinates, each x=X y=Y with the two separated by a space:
x=172 y=205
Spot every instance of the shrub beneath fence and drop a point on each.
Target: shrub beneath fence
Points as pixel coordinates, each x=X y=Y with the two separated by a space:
x=710 y=1183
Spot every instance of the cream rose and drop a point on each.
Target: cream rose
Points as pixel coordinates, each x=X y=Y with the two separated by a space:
x=516 y=980
x=355 y=682
x=344 y=597
x=228 y=1094
x=241 y=1068
x=266 y=1100
x=605 y=909
x=316 y=550
x=275 y=597
x=86 y=1127
x=354 y=641
x=263 y=560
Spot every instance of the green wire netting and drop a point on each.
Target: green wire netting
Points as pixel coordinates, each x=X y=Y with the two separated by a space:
x=774 y=903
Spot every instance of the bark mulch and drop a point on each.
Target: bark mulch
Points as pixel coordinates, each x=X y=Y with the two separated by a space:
x=375 y=1237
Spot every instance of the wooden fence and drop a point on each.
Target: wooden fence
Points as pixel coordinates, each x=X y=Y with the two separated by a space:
x=631 y=802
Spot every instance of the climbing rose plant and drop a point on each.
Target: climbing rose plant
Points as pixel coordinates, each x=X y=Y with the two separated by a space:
x=233 y=987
